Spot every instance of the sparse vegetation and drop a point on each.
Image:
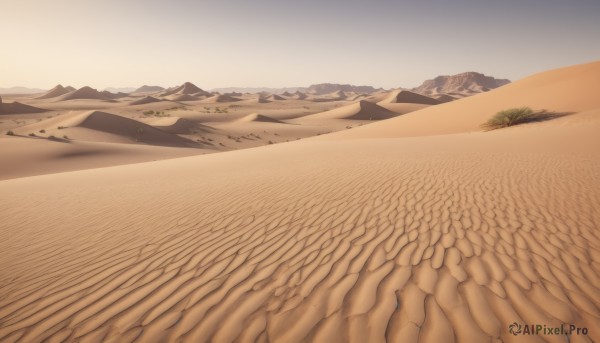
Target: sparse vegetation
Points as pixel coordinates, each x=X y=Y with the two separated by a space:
x=61 y=127
x=66 y=137
x=32 y=134
x=42 y=131
x=511 y=117
x=156 y=113
x=10 y=133
x=140 y=131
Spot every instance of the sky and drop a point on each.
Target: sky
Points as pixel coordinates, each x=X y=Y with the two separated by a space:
x=269 y=43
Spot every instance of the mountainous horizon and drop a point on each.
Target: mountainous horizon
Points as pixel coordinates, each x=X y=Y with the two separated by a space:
x=470 y=77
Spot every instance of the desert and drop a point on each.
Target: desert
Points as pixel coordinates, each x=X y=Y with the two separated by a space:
x=329 y=212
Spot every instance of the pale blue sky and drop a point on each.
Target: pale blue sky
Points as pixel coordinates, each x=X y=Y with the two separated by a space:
x=270 y=43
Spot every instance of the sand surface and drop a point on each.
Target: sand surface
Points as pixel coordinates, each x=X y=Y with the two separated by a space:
x=447 y=236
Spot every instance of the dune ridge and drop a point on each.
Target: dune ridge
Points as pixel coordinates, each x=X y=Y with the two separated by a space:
x=85 y=93
x=145 y=100
x=362 y=110
x=404 y=96
x=186 y=88
x=58 y=90
x=256 y=117
x=17 y=108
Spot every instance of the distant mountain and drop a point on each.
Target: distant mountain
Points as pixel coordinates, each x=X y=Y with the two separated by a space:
x=119 y=90
x=469 y=82
x=325 y=88
x=149 y=89
x=21 y=90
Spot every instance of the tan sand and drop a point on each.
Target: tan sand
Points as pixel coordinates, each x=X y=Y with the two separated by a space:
x=54 y=92
x=85 y=93
x=255 y=117
x=145 y=100
x=404 y=96
x=18 y=108
x=362 y=110
x=564 y=90
x=186 y=88
x=221 y=98
x=357 y=238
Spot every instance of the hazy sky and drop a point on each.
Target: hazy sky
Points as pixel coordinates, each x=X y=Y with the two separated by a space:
x=271 y=43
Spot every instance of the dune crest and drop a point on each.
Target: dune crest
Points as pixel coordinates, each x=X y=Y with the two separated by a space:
x=18 y=108
x=86 y=93
x=145 y=100
x=260 y=118
x=362 y=110
x=136 y=131
x=404 y=96
x=58 y=90
x=186 y=88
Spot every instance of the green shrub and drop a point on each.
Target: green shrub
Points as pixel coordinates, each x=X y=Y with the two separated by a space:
x=510 y=117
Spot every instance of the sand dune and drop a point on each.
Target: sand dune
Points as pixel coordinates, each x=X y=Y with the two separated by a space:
x=54 y=92
x=40 y=156
x=180 y=125
x=221 y=98
x=114 y=95
x=262 y=100
x=275 y=97
x=403 y=96
x=17 y=108
x=255 y=117
x=145 y=100
x=85 y=93
x=186 y=88
x=182 y=97
x=149 y=89
x=106 y=127
x=444 y=98
x=362 y=110
x=299 y=95
x=564 y=90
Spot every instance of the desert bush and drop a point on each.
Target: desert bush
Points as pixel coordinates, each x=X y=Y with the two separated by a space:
x=510 y=117
x=66 y=137
x=10 y=133
x=61 y=127
x=32 y=134
x=42 y=131
x=148 y=113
